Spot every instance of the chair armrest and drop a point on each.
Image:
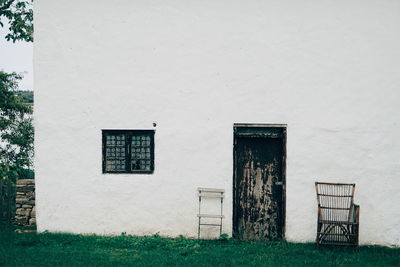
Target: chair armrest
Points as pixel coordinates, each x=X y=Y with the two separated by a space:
x=354 y=213
x=319 y=213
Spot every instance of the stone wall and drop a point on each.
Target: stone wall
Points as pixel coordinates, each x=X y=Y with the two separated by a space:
x=25 y=214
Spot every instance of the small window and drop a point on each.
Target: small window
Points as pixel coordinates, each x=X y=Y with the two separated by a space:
x=128 y=151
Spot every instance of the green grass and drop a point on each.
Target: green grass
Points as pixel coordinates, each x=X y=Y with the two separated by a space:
x=30 y=249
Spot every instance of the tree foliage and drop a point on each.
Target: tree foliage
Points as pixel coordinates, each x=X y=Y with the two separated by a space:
x=18 y=14
x=16 y=130
x=16 y=127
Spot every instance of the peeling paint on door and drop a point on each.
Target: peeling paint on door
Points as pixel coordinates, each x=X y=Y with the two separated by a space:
x=258 y=187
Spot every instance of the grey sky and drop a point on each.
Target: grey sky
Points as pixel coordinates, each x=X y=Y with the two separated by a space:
x=17 y=57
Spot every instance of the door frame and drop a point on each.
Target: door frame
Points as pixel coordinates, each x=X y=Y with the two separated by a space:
x=283 y=127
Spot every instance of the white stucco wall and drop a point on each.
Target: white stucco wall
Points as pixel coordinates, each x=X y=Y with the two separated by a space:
x=329 y=69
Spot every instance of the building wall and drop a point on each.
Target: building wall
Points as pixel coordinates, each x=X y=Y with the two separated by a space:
x=328 y=69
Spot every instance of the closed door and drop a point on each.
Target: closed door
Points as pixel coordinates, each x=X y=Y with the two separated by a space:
x=259 y=183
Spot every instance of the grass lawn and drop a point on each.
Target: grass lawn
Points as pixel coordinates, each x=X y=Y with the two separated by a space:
x=30 y=249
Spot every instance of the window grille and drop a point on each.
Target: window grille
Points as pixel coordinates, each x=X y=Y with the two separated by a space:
x=128 y=151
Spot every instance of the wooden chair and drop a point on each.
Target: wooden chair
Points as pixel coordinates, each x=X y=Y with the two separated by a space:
x=338 y=216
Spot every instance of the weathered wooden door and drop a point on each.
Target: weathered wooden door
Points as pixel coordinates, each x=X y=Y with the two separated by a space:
x=259 y=182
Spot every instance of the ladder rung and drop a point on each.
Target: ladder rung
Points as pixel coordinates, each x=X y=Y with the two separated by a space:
x=214 y=195
x=210 y=216
x=203 y=189
x=211 y=224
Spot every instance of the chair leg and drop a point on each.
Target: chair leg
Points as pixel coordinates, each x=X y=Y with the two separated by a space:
x=318 y=238
x=356 y=233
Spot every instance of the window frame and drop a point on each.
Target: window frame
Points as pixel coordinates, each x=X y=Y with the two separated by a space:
x=128 y=148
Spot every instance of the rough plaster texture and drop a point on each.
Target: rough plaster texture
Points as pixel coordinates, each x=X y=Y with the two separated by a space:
x=329 y=69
